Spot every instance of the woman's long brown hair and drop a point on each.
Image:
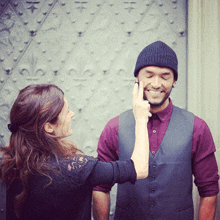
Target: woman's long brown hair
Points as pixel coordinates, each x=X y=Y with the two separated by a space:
x=30 y=147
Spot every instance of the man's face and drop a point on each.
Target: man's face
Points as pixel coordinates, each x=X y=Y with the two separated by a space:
x=158 y=83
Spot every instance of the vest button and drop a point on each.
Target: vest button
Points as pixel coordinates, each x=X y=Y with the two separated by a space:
x=154 y=166
x=152 y=191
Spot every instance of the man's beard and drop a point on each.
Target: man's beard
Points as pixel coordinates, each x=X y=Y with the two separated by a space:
x=160 y=103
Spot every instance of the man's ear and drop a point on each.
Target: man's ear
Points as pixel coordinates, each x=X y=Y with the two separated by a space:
x=48 y=127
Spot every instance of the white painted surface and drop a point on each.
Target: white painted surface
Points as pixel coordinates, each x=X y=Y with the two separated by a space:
x=204 y=70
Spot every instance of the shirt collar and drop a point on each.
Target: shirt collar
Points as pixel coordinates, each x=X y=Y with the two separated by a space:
x=165 y=114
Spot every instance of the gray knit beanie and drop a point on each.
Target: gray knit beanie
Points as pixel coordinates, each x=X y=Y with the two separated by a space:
x=157 y=54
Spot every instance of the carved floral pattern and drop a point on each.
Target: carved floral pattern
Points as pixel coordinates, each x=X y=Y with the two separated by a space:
x=88 y=48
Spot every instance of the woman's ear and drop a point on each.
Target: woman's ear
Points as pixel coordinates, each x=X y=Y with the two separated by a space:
x=48 y=127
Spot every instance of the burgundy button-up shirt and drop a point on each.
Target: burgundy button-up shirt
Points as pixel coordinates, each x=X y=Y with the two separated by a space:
x=204 y=165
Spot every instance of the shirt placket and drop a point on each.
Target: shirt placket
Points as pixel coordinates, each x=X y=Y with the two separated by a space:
x=154 y=135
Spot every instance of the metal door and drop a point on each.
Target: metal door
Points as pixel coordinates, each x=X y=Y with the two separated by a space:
x=89 y=49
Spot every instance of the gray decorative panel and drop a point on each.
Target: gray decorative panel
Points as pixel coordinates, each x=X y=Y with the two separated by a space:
x=89 y=49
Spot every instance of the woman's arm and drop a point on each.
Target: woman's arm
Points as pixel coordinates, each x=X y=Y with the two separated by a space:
x=141 y=110
x=123 y=171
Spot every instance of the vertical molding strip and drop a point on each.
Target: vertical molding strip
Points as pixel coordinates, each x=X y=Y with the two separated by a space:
x=204 y=69
x=194 y=57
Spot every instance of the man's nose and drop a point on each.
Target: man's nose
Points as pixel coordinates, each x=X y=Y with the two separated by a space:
x=156 y=82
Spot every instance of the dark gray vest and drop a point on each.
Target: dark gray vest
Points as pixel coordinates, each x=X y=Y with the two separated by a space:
x=167 y=191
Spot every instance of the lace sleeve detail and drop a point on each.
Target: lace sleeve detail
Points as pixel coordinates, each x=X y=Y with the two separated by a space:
x=76 y=168
x=77 y=162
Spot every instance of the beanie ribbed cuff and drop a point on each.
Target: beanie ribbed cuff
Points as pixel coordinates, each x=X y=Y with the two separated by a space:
x=157 y=54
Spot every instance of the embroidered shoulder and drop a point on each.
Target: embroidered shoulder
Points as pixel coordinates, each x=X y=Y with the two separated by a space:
x=75 y=169
x=77 y=162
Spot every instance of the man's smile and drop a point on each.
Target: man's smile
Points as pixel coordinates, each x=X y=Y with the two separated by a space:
x=154 y=92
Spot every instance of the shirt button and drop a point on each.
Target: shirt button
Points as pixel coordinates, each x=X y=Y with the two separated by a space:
x=153 y=152
x=154 y=131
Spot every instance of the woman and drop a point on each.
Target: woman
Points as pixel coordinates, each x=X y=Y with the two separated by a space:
x=48 y=177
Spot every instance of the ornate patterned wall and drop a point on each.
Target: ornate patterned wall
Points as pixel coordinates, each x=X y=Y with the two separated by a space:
x=89 y=49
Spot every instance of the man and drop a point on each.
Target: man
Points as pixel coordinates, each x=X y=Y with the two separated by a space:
x=181 y=145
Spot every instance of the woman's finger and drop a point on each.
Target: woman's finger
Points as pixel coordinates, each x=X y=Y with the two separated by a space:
x=141 y=90
x=135 y=91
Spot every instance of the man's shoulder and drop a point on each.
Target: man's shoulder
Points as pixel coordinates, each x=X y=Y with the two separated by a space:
x=112 y=123
x=199 y=123
x=127 y=112
x=184 y=112
x=181 y=109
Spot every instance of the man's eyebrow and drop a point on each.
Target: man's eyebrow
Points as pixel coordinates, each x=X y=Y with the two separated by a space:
x=166 y=73
x=148 y=71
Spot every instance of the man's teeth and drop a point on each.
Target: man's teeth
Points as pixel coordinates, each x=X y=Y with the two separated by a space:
x=154 y=92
